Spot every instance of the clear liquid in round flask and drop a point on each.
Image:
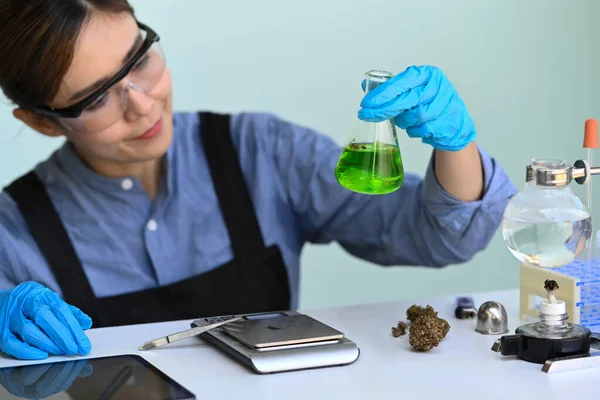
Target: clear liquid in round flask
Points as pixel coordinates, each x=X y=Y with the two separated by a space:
x=546 y=226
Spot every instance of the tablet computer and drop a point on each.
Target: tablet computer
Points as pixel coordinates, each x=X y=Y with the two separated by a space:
x=115 y=377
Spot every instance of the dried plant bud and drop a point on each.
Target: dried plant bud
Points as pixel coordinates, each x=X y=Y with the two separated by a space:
x=444 y=326
x=414 y=312
x=427 y=332
x=400 y=330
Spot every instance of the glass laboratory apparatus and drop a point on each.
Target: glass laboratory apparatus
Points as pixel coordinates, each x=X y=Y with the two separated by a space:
x=371 y=161
x=546 y=225
x=549 y=229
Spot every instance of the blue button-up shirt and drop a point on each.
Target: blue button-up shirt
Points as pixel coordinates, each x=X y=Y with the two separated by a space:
x=128 y=242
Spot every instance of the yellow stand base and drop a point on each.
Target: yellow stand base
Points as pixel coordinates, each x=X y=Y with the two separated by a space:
x=532 y=292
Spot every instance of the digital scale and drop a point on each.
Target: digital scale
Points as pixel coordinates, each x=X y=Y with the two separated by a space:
x=279 y=342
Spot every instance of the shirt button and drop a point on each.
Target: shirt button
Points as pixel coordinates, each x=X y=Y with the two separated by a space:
x=152 y=225
x=127 y=184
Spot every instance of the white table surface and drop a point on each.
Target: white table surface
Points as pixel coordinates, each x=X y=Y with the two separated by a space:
x=463 y=365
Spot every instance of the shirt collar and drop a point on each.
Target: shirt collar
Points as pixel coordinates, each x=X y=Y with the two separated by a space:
x=74 y=167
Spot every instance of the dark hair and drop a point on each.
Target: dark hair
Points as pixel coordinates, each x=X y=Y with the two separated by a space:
x=37 y=42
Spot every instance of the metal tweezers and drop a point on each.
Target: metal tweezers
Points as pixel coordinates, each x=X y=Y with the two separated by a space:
x=183 y=335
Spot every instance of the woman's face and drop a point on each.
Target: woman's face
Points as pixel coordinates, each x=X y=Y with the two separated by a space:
x=144 y=132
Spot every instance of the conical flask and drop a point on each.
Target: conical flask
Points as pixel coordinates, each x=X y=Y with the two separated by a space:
x=371 y=161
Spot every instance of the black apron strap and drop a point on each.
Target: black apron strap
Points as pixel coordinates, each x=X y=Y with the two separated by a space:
x=51 y=237
x=254 y=280
x=231 y=187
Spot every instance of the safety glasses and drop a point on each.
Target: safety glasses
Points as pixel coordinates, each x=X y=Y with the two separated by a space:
x=109 y=102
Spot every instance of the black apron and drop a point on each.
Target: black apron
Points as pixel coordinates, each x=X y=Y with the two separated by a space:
x=255 y=280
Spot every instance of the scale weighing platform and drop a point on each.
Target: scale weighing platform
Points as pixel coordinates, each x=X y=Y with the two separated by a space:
x=279 y=342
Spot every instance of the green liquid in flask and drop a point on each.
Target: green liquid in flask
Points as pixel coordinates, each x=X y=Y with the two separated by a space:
x=370 y=169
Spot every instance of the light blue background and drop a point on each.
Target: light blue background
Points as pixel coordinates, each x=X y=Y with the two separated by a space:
x=527 y=70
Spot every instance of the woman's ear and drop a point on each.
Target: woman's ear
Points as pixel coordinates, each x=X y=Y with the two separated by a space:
x=38 y=123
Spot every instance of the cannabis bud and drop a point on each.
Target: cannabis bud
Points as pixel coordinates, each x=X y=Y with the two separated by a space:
x=427 y=329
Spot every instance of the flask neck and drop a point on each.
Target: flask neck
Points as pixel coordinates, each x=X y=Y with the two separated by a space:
x=375 y=78
x=548 y=162
x=544 y=163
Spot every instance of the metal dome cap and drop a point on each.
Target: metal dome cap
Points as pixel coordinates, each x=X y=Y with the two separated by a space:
x=492 y=319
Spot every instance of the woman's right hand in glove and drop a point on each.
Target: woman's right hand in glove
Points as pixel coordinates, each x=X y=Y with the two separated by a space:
x=36 y=322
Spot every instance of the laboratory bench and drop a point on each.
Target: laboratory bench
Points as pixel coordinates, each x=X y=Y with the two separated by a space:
x=463 y=366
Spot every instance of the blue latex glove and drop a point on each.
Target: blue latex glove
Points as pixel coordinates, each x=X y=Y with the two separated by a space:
x=422 y=101
x=44 y=380
x=35 y=322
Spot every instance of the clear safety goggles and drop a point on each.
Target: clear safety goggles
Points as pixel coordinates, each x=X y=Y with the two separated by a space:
x=109 y=103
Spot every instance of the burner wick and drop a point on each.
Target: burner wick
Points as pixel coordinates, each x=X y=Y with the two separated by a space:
x=551 y=287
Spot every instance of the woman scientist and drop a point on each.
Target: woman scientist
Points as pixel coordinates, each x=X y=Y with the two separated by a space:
x=149 y=215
